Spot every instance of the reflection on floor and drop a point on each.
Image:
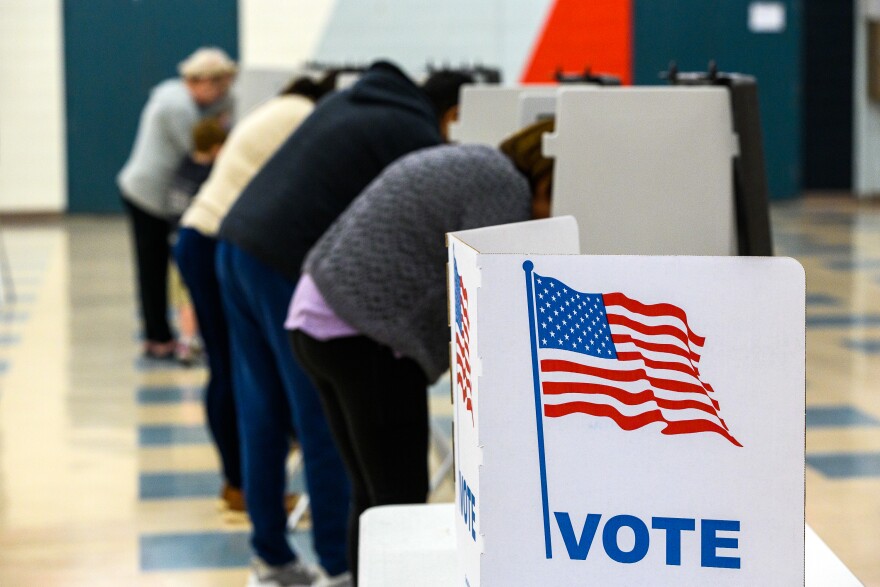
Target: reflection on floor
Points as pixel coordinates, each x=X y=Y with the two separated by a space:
x=107 y=476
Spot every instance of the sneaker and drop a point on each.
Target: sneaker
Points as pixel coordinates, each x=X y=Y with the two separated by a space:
x=187 y=353
x=293 y=574
x=340 y=580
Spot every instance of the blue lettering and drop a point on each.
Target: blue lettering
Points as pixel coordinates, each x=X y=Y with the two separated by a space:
x=673 y=527
x=711 y=542
x=577 y=549
x=611 y=533
x=467 y=506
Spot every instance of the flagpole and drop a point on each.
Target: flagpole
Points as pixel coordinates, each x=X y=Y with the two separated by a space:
x=528 y=266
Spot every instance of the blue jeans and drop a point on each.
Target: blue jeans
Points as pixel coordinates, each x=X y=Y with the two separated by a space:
x=194 y=254
x=273 y=397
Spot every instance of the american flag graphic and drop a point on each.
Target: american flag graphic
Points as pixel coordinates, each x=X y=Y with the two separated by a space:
x=610 y=356
x=462 y=342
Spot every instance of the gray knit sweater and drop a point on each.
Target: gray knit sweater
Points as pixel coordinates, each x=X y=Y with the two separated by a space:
x=382 y=265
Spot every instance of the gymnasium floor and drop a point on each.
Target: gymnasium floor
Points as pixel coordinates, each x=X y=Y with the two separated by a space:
x=107 y=477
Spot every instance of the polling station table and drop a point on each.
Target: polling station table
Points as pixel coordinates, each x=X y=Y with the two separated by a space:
x=409 y=545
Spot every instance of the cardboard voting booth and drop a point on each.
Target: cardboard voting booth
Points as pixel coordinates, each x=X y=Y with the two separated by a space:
x=253 y=86
x=535 y=107
x=624 y=420
x=489 y=114
x=646 y=170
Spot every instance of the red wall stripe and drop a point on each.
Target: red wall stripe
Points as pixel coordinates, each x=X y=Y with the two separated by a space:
x=583 y=33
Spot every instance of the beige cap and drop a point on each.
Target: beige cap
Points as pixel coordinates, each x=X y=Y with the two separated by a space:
x=207 y=62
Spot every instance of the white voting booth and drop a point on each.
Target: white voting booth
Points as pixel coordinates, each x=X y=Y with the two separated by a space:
x=646 y=170
x=624 y=420
x=489 y=114
x=405 y=545
x=535 y=108
x=255 y=85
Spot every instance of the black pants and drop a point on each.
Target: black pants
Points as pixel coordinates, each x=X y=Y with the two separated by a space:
x=377 y=407
x=152 y=253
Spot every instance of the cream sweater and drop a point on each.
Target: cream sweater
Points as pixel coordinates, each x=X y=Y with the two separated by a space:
x=250 y=144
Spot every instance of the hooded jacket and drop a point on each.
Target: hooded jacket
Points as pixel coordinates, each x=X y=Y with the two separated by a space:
x=347 y=141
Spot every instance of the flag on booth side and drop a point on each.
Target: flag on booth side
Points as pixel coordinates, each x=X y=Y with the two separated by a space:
x=462 y=343
x=607 y=355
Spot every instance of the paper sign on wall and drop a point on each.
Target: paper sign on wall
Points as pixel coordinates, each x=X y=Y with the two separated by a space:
x=767 y=17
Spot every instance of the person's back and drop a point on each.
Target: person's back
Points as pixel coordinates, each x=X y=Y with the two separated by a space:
x=158 y=149
x=380 y=263
x=251 y=142
x=313 y=176
x=369 y=316
x=346 y=142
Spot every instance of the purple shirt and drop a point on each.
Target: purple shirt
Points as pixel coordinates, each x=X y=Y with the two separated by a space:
x=310 y=313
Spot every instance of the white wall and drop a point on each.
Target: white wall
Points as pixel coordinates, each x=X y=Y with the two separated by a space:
x=32 y=129
x=866 y=123
x=413 y=33
x=280 y=33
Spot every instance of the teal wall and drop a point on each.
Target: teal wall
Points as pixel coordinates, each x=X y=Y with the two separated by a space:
x=115 y=51
x=691 y=32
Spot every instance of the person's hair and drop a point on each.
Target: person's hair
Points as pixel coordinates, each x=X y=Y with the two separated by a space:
x=207 y=62
x=208 y=133
x=311 y=88
x=524 y=149
x=442 y=88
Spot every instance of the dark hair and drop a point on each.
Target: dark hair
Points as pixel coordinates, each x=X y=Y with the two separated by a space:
x=311 y=89
x=207 y=133
x=523 y=148
x=442 y=89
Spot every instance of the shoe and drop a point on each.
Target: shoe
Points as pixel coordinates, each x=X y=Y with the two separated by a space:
x=292 y=501
x=187 y=352
x=233 y=498
x=340 y=580
x=159 y=350
x=293 y=574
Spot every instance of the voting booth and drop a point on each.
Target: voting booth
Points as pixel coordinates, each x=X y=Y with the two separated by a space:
x=489 y=114
x=255 y=85
x=535 y=107
x=624 y=420
x=646 y=170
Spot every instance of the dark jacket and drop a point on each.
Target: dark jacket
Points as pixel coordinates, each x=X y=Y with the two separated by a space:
x=345 y=143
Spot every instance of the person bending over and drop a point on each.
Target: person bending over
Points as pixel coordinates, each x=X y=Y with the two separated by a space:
x=368 y=319
x=164 y=139
x=314 y=175
x=250 y=144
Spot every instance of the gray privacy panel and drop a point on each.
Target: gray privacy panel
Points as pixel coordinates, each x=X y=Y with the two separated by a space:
x=489 y=114
x=646 y=171
x=253 y=86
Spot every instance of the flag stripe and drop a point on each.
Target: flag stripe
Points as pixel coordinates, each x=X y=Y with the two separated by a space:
x=619 y=299
x=618 y=320
x=638 y=421
x=669 y=349
x=551 y=365
x=625 y=397
x=653 y=364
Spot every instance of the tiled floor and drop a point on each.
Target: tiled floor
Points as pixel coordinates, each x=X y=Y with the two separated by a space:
x=107 y=476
